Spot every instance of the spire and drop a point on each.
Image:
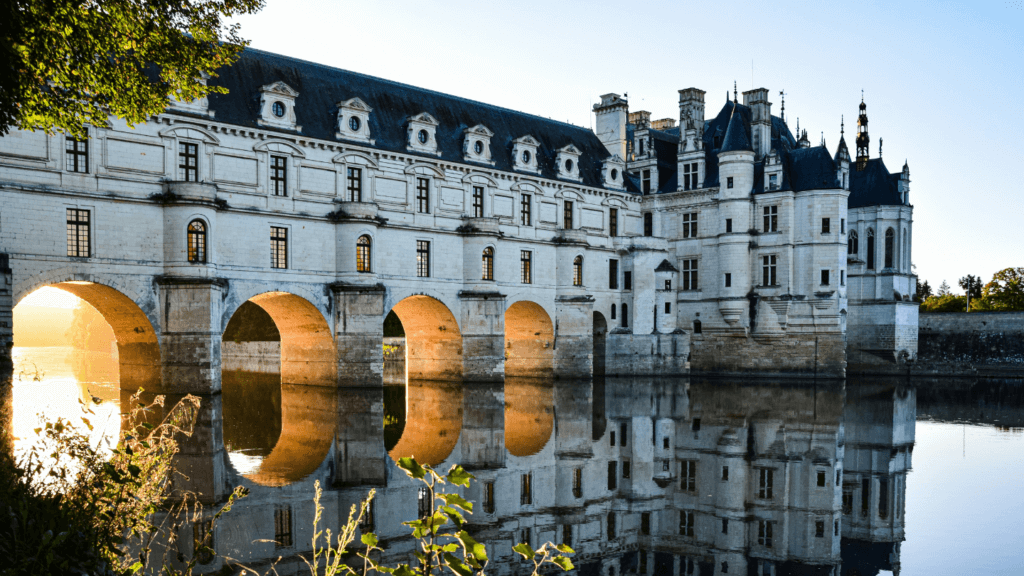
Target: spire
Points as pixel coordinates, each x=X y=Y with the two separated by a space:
x=842 y=125
x=727 y=96
x=842 y=152
x=735 y=135
x=735 y=95
x=879 y=147
x=863 y=140
x=822 y=138
x=782 y=113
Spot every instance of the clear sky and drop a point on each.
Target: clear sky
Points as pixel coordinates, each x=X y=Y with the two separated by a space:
x=944 y=81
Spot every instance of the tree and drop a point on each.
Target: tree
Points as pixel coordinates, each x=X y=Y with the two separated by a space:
x=68 y=63
x=972 y=288
x=924 y=291
x=944 y=289
x=1006 y=290
x=947 y=303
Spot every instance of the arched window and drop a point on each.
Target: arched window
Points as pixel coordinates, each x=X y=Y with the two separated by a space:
x=363 y=254
x=904 y=255
x=890 y=240
x=648 y=224
x=696 y=327
x=197 y=242
x=871 y=249
x=577 y=271
x=851 y=243
x=488 y=264
x=625 y=315
x=613 y=311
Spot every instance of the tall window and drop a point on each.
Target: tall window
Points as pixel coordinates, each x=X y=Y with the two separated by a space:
x=488 y=264
x=771 y=218
x=773 y=181
x=764 y=483
x=728 y=182
x=197 y=242
x=764 y=533
x=643 y=559
x=367 y=524
x=283 y=527
x=526 y=489
x=423 y=258
x=355 y=184
x=688 y=473
x=279 y=175
x=826 y=225
x=567 y=534
x=728 y=224
x=625 y=468
x=577 y=271
x=613 y=222
x=690 y=176
x=825 y=277
x=424 y=502
x=567 y=215
x=627 y=280
x=883 y=498
x=78 y=233
x=690 y=225
x=524 y=211
x=768 y=271
x=478 y=201
x=577 y=482
x=76 y=155
x=904 y=255
x=871 y=249
x=423 y=195
x=613 y=311
x=278 y=247
x=613 y=274
x=889 y=247
x=188 y=162
x=645 y=523
x=851 y=243
x=526 y=266
x=646 y=177
x=613 y=474
x=690 y=274
x=686 y=521
x=648 y=224
x=625 y=316
x=489 y=497
x=363 y=254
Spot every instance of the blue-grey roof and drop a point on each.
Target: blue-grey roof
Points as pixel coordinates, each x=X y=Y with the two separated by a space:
x=873 y=186
x=736 y=138
x=810 y=169
x=321 y=87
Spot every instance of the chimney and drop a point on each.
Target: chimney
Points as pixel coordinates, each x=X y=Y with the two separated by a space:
x=640 y=119
x=760 y=121
x=611 y=123
x=691 y=110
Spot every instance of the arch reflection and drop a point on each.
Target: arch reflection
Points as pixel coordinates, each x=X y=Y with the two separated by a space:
x=433 y=421
x=529 y=415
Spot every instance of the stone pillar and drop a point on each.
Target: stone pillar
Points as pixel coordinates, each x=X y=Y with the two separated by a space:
x=573 y=410
x=359 y=457
x=483 y=426
x=201 y=459
x=190 y=311
x=359 y=333
x=483 y=336
x=6 y=363
x=574 y=338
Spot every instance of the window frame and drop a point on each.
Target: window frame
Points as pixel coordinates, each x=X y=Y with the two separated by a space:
x=478 y=194
x=422 y=195
x=76 y=160
x=77 y=229
x=487 y=264
x=765 y=483
x=184 y=169
x=688 y=476
x=283 y=527
x=354 y=183
x=769 y=270
x=690 y=225
x=687 y=521
x=613 y=222
x=771 y=219
x=648 y=224
x=567 y=213
x=526 y=210
x=423 y=259
x=826 y=225
x=526 y=267
x=577 y=271
x=364 y=254
x=526 y=489
x=279 y=175
x=279 y=247
x=826 y=277
x=613 y=274
x=690 y=274
x=196 y=242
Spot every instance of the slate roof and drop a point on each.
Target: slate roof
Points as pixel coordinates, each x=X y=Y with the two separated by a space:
x=736 y=135
x=321 y=87
x=873 y=186
x=666 y=266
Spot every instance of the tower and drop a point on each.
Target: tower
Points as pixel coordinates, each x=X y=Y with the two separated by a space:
x=611 y=123
x=863 y=140
x=760 y=122
x=691 y=146
x=842 y=159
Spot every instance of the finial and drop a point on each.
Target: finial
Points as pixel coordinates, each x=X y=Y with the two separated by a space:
x=797 y=126
x=823 y=138
x=842 y=125
x=727 y=96
x=879 y=147
x=735 y=95
x=782 y=113
x=861 y=95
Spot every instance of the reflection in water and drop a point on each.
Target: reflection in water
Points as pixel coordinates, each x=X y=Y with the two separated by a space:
x=252 y=417
x=433 y=421
x=529 y=415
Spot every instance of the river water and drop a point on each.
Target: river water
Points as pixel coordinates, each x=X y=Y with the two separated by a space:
x=676 y=476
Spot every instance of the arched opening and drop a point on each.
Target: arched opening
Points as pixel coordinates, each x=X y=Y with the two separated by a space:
x=488 y=264
x=851 y=243
x=277 y=388
x=197 y=242
x=76 y=343
x=577 y=271
x=433 y=342
x=625 y=315
x=890 y=241
x=364 y=260
x=870 y=255
x=600 y=335
x=529 y=335
x=529 y=415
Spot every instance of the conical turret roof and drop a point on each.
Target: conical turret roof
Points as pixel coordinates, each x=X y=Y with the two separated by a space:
x=736 y=139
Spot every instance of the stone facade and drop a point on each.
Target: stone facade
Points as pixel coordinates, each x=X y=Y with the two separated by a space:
x=982 y=343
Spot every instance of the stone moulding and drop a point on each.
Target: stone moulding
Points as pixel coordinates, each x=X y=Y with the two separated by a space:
x=348 y=287
x=190 y=281
x=475 y=295
x=177 y=192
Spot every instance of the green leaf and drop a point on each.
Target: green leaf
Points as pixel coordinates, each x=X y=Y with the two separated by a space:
x=369 y=539
x=457 y=565
x=404 y=570
x=524 y=550
x=476 y=549
x=564 y=549
x=456 y=500
x=450 y=547
x=412 y=468
x=563 y=562
x=459 y=477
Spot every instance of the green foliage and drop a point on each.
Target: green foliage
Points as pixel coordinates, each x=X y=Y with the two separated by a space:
x=971 y=285
x=67 y=63
x=924 y=291
x=947 y=303
x=1005 y=292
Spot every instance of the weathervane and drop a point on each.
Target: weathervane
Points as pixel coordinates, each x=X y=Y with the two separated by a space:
x=782 y=113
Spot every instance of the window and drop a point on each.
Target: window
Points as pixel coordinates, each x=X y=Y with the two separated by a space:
x=197 y=242
x=623 y=433
x=478 y=147
x=353 y=123
x=773 y=181
x=78 y=233
x=76 y=155
x=526 y=266
x=611 y=438
x=526 y=156
x=613 y=311
x=847 y=500
x=283 y=527
x=367 y=524
x=668 y=307
x=765 y=481
x=725 y=567
x=824 y=277
x=646 y=179
x=567 y=215
x=422 y=136
x=889 y=242
x=611 y=525
x=278 y=109
x=665 y=443
x=725 y=525
x=690 y=225
x=842 y=225
x=279 y=175
x=728 y=224
x=819 y=529
x=835 y=528
x=728 y=280
x=355 y=184
x=665 y=465
x=686 y=518
x=278 y=247
x=577 y=271
x=489 y=497
x=625 y=316
x=524 y=210
x=613 y=222
x=526 y=489
x=613 y=276
x=695 y=425
x=871 y=249
x=728 y=182
x=826 y=225
x=363 y=261
x=821 y=478
x=567 y=535
x=625 y=469
x=668 y=284
x=883 y=498
x=525 y=536
x=478 y=201
x=424 y=502
x=627 y=280
x=613 y=474
x=690 y=176
x=768 y=271
x=423 y=195
x=423 y=258
x=839 y=476
x=202 y=534
x=690 y=274
x=188 y=162
x=648 y=224
x=725 y=473
x=851 y=243
x=488 y=264
x=771 y=219
x=696 y=327
x=688 y=476
x=764 y=533
x=577 y=482
x=643 y=560
x=639 y=147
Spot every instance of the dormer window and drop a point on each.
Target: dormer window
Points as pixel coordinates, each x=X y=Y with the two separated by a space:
x=422 y=131
x=612 y=171
x=476 y=145
x=524 y=152
x=568 y=163
x=277 y=106
x=354 y=121
x=773 y=181
x=353 y=124
x=527 y=157
x=772 y=171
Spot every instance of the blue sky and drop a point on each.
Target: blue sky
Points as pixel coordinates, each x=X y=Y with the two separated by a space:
x=944 y=81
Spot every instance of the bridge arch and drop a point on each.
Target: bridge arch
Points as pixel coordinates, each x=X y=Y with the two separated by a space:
x=529 y=415
x=529 y=340
x=433 y=340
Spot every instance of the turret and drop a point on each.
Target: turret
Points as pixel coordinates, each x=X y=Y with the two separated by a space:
x=736 y=160
x=760 y=122
x=691 y=145
x=863 y=140
x=736 y=181
x=842 y=159
x=904 y=184
x=611 y=123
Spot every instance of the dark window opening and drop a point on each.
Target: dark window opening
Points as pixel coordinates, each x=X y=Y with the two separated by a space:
x=625 y=469
x=197 y=242
x=627 y=280
x=769 y=276
x=368 y=522
x=623 y=428
x=725 y=525
x=765 y=482
x=688 y=476
x=821 y=478
x=625 y=316
x=278 y=247
x=577 y=483
x=728 y=182
x=686 y=521
x=865 y=495
x=279 y=175
x=613 y=476
x=826 y=225
x=489 y=497
x=526 y=489
x=613 y=276
x=283 y=527
x=611 y=525
x=771 y=219
x=690 y=274
x=423 y=258
x=646 y=178
x=524 y=215
x=423 y=195
x=728 y=224
x=76 y=155
x=613 y=311
x=697 y=327
x=824 y=277
x=725 y=473
x=613 y=221
x=728 y=280
x=668 y=307
x=567 y=215
x=424 y=502
x=690 y=225
x=648 y=224
x=478 y=201
x=188 y=162
x=871 y=250
x=889 y=247
x=883 y=499
x=764 y=533
x=355 y=184
x=819 y=529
